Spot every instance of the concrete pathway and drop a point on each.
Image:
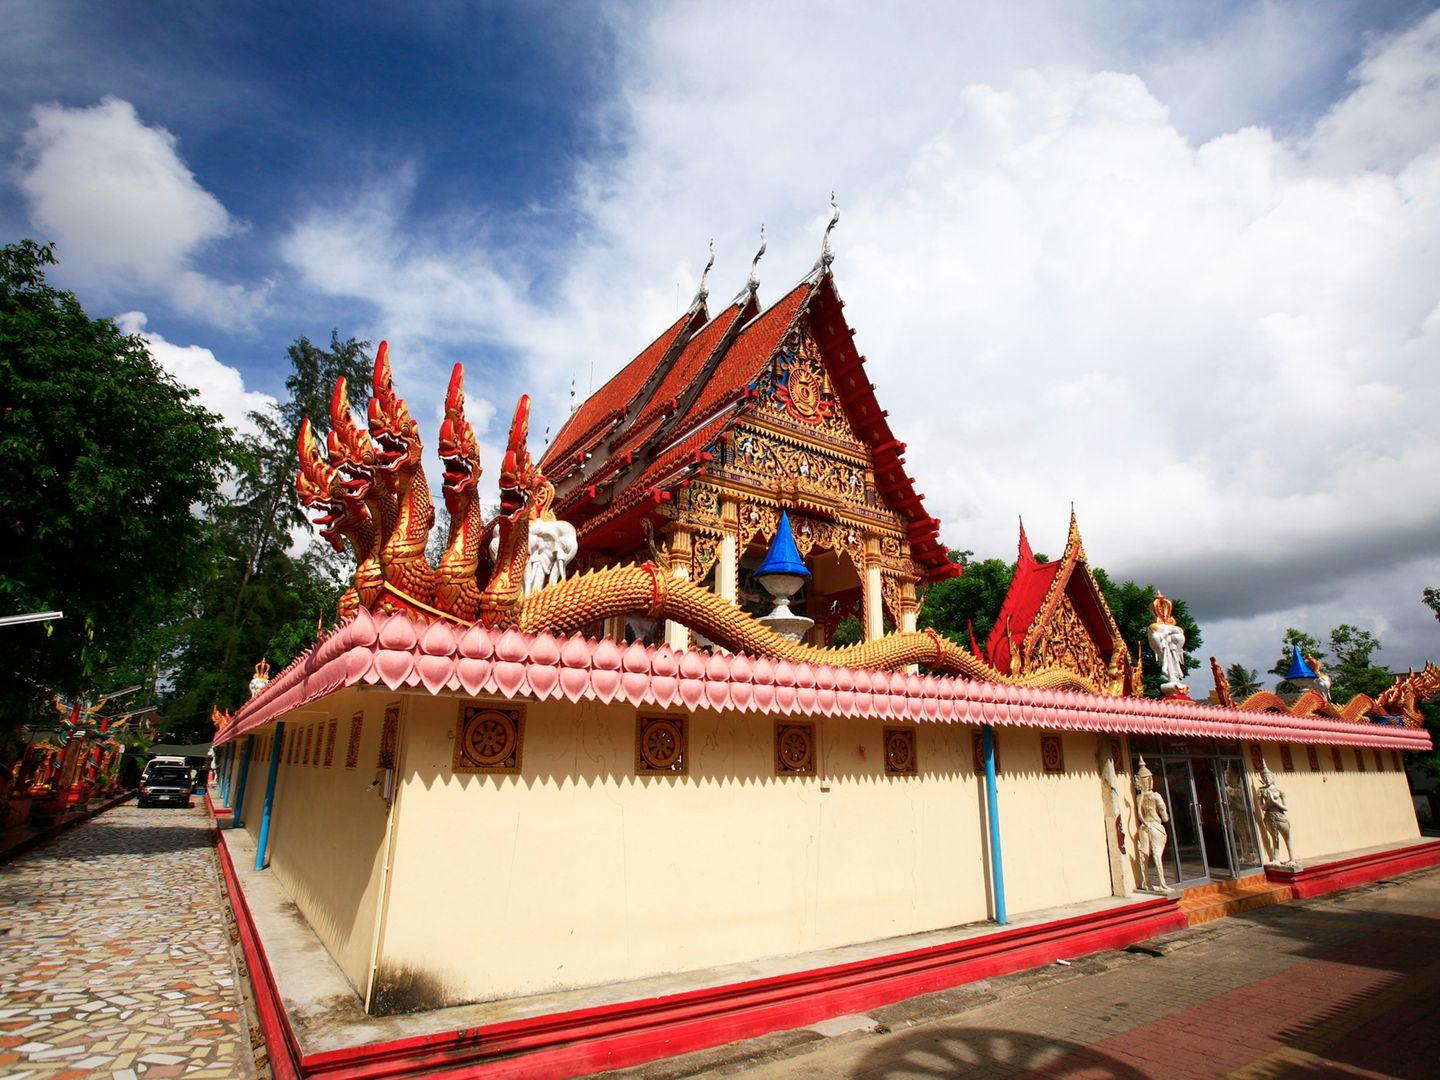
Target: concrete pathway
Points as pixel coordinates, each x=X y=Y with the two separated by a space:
x=115 y=955
x=1346 y=985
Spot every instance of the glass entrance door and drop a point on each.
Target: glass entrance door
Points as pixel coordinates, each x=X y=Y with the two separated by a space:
x=1187 y=845
x=1239 y=822
x=1209 y=800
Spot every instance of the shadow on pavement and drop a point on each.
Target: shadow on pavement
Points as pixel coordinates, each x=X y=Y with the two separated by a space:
x=99 y=839
x=940 y=1050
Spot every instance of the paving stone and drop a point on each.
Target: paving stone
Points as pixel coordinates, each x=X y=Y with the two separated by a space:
x=118 y=949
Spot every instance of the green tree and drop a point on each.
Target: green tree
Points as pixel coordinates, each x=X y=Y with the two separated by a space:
x=1431 y=598
x=261 y=598
x=1354 y=671
x=110 y=470
x=1243 y=681
x=976 y=595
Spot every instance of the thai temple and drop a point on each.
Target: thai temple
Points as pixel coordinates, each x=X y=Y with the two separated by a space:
x=600 y=786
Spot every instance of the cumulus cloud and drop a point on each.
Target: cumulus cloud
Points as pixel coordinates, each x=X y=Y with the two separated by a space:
x=1221 y=347
x=122 y=205
x=222 y=387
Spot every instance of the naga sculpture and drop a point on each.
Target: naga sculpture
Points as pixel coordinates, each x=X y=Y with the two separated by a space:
x=321 y=486
x=457 y=587
x=524 y=494
x=352 y=456
x=409 y=578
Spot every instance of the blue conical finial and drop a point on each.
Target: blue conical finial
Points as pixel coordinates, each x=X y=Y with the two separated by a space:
x=783 y=556
x=1299 y=667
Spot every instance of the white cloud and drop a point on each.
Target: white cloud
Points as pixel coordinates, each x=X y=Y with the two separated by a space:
x=123 y=206
x=222 y=387
x=1223 y=350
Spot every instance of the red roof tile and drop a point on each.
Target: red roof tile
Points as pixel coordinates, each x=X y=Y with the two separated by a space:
x=752 y=348
x=610 y=400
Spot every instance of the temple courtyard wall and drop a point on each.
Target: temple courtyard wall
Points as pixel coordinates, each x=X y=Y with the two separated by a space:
x=575 y=869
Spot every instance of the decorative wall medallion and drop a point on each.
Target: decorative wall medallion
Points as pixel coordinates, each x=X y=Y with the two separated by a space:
x=389 y=734
x=1286 y=761
x=1314 y=757
x=795 y=749
x=660 y=747
x=1359 y=759
x=1336 y=759
x=1257 y=759
x=488 y=740
x=901 y=758
x=1052 y=753
x=1379 y=765
x=352 y=748
x=979 y=744
x=331 y=731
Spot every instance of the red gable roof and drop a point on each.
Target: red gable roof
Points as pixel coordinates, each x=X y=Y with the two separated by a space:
x=1028 y=590
x=596 y=413
x=710 y=375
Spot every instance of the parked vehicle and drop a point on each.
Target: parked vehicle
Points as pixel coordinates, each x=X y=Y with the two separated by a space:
x=164 y=783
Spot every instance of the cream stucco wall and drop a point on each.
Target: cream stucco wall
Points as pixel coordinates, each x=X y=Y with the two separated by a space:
x=1052 y=825
x=577 y=872
x=327 y=830
x=1333 y=812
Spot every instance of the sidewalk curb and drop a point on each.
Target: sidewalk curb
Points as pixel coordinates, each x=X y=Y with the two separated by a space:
x=50 y=832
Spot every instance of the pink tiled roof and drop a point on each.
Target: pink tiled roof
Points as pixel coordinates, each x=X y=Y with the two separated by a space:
x=430 y=657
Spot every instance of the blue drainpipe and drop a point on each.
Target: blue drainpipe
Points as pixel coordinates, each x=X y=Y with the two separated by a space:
x=235 y=821
x=992 y=807
x=263 y=842
x=225 y=752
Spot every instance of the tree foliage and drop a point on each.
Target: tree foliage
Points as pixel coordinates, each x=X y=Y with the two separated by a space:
x=1243 y=681
x=111 y=468
x=1349 y=662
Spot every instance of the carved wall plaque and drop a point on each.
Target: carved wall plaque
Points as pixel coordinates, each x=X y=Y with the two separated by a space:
x=388 y=735
x=331 y=730
x=352 y=748
x=488 y=739
x=1359 y=759
x=1287 y=762
x=1313 y=756
x=1052 y=753
x=660 y=746
x=1336 y=759
x=901 y=756
x=795 y=749
x=979 y=743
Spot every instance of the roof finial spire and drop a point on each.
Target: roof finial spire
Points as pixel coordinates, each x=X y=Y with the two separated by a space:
x=827 y=256
x=703 y=292
x=754 y=283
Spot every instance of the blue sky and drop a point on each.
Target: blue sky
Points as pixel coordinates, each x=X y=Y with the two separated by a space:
x=1176 y=263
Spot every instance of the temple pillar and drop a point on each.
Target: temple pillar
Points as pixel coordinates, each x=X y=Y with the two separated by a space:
x=727 y=561
x=874 y=591
x=680 y=547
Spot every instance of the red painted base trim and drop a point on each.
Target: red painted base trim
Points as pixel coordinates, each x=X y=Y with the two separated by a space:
x=216 y=812
x=280 y=1043
x=612 y=1036
x=1343 y=873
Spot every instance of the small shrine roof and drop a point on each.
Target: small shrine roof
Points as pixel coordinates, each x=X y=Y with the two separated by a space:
x=1299 y=667
x=403 y=654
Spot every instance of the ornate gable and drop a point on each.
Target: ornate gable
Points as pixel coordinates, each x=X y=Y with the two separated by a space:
x=1054 y=617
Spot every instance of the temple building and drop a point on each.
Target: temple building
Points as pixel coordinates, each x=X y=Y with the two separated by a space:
x=600 y=785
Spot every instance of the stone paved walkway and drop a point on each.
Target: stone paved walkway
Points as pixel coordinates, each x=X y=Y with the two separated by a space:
x=115 y=955
x=1346 y=985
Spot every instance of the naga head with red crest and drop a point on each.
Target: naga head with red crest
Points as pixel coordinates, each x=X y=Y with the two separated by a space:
x=522 y=486
x=315 y=482
x=396 y=435
x=351 y=453
x=459 y=452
